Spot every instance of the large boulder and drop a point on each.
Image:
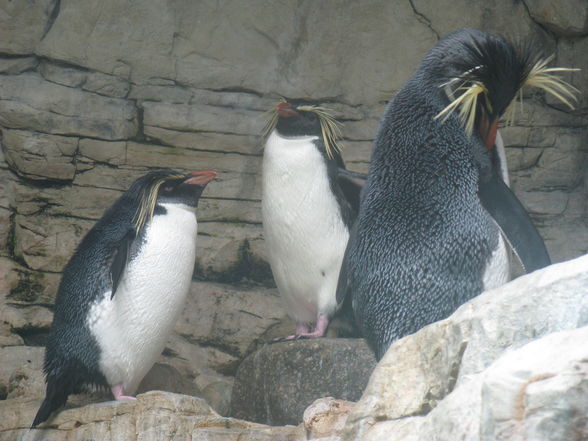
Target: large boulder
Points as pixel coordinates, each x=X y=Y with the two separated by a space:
x=464 y=376
x=276 y=383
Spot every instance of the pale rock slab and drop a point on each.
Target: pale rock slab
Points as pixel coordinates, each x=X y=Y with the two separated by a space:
x=27 y=101
x=230 y=318
x=155 y=416
x=326 y=417
x=39 y=156
x=23 y=24
x=442 y=356
x=564 y=17
x=17 y=65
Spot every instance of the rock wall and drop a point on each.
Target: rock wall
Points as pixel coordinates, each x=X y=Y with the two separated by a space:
x=93 y=94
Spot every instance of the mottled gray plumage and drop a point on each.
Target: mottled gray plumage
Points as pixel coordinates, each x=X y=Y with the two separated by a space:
x=423 y=239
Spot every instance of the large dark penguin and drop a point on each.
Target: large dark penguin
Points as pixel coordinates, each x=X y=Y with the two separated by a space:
x=428 y=234
x=123 y=289
x=309 y=203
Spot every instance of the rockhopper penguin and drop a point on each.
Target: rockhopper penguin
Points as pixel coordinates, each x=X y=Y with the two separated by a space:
x=428 y=233
x=123 y=289
x=309 y=203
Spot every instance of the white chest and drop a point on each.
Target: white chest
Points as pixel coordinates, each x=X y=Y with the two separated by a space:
x=133 y=326
x=304 y=233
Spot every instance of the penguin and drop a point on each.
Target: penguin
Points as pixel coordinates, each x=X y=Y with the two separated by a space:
x=123 y=289
x=435 y=212
x=309 y=202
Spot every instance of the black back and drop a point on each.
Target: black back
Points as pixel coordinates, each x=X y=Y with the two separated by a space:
x=422 y=238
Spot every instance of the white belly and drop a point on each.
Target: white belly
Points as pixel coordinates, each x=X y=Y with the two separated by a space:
x=132 y=328
x=497 y=270
x=303 y=230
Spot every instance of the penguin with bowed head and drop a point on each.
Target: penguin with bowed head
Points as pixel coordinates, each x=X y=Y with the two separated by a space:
x=309 y=202
x=435 y=209
x=123 y=289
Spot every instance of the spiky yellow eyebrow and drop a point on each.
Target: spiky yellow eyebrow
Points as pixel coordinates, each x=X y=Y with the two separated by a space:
x=148 y=202
x=330 y=127
x=466 y=103
x=540 y=76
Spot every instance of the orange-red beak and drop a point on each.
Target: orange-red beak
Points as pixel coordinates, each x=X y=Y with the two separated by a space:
x=285 y=110
x=201 y=177
x=488 y=132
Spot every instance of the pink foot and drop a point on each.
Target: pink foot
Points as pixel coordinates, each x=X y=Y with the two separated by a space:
x=303 y=330
x=119 y=393
x=320 y=329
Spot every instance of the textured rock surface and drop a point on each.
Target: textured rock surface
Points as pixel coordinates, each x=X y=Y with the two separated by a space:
x=276 y=383
x=326 y=417
x=433 y=369
x=156 y=416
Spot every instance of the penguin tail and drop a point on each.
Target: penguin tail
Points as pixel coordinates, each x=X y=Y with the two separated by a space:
x=55 y=397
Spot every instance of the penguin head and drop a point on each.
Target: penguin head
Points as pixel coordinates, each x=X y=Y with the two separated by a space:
x=480 y=75
x=186 y=189
x=167 y=186
x=298 y=119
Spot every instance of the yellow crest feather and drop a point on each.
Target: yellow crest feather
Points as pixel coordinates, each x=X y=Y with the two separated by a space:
x=539 y=76
x=330 y=127
x=148 y=202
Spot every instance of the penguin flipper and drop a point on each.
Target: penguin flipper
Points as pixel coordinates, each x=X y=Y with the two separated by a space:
x=342 y=297
x=351 y=184
x=120 y=259
x=55 y=398
x=515 y=223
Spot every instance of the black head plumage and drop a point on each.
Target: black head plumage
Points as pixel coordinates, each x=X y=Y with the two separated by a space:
x=481 y=75
x=165 y=185
x=428 y=225
x=300 y=118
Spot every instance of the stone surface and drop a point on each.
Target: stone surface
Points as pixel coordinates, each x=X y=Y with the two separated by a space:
x=24 y=24
x=155 y=416
x=16 y=65
x=29 y=102
x=436 y=361
x=20 y=371
x=229 y=318
x=276 y=383
x=537 y=392
x=39 y=156
x=326 y=417
x=568 y=18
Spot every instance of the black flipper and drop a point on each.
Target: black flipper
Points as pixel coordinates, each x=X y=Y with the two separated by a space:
x=343 y=299
x=55 y=398
x=120 y=259
x=351 y=184
x=515 y=223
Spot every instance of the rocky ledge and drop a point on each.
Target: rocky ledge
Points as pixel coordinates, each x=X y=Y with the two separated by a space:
x=509 y=365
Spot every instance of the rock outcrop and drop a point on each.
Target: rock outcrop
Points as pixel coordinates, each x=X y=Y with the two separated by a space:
x=156 y=416
x=276 y=383
x=509 y=364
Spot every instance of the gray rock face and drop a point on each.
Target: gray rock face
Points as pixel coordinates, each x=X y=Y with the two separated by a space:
x=276 y=383
x=566 y=18
x=478 y=374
